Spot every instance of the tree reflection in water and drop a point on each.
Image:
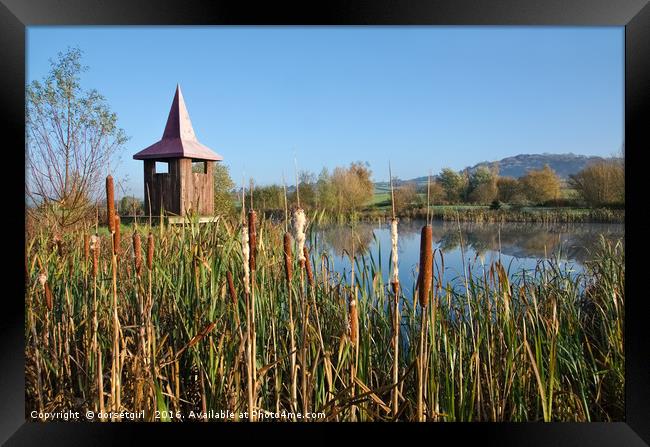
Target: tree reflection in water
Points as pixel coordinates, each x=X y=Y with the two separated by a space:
x=520 y=241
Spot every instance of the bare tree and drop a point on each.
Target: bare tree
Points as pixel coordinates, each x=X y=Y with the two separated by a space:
x=72 y=137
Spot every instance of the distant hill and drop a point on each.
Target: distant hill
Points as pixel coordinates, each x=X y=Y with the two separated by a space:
x=563 y=164
x=517 y=166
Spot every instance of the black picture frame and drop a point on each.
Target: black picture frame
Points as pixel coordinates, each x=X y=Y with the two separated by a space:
x=16 y=15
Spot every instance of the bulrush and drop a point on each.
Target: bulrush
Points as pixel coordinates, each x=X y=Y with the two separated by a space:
x=137 y=252
x=116 y=239
x=394 y=254
x=250 y=354
x=245 y=249
x=354 y=321
x=396 y=316
x=299 y=223
x=424 y=287
x=310 y=273
x=42 y=278
x=288 y=260
x=150 y=251
x=426 y=265
x=110 y=203
x=288 y=270
x=252 y=239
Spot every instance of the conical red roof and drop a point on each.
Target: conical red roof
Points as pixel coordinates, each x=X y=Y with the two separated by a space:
x=178 y=140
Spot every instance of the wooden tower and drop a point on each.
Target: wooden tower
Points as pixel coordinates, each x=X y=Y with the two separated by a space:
x=178 y=170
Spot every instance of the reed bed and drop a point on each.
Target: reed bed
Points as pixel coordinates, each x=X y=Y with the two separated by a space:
x=187 y=320
x=541 y=215
x=475 y=214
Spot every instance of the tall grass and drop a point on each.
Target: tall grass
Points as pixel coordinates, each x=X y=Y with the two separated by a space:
x=546 y=345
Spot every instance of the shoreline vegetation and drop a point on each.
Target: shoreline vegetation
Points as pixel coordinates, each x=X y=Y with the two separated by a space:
x=449 y=213
x=476 y=214
x=230 y=315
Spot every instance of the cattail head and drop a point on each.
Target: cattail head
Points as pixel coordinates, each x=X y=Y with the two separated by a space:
x=394 y=257
x=231 y=287
x=426 y=265
x=310 y=273
x=150 y=251
x=354 y=321
x=245 y=249
x=137 y=252
x=110 y=203
x=116 y=239
x=288 y=261
x=252 y=239
x=94 y=247
x=299 y=223
x=42 y=279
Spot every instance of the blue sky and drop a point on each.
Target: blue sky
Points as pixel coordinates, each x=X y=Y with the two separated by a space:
x=422 y=97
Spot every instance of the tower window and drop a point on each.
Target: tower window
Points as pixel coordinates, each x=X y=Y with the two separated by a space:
x=162 y=167
x=199 y=167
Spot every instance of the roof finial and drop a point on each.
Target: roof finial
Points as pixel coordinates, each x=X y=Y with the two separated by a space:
x=178 y=140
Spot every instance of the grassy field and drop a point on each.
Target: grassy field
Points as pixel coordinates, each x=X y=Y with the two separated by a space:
x=180 y=321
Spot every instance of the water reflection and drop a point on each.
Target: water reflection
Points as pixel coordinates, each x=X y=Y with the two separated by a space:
x=339 y=239
x=520 y=245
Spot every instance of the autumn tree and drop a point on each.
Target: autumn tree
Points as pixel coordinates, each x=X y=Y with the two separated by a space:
x=325 y=191
x=307 y=190
x=436 y=193
x=601 y=183
x=405 y=195
x=130 y=205
x=541 y=185
x=482 y=185
x=72 y=137
x=270 y=197
x=223 y=190
x=453 y=183
x=352 y=186
x=509 y=190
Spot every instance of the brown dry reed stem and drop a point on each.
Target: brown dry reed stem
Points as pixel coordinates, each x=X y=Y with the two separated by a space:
x=137 y=252
x=424 y=287
x=288 y=271
x=288 y=261
x=252 y=245
x=95 y=245
x=395 y=286
x=396 y=316
x=116 y=380
x=116 y=239
x=86 y=248
x=110 y=203
x=252 y=237
x=231 y=288
x=150 y=248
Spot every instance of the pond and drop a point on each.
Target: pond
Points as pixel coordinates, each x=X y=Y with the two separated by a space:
x=519 y=246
